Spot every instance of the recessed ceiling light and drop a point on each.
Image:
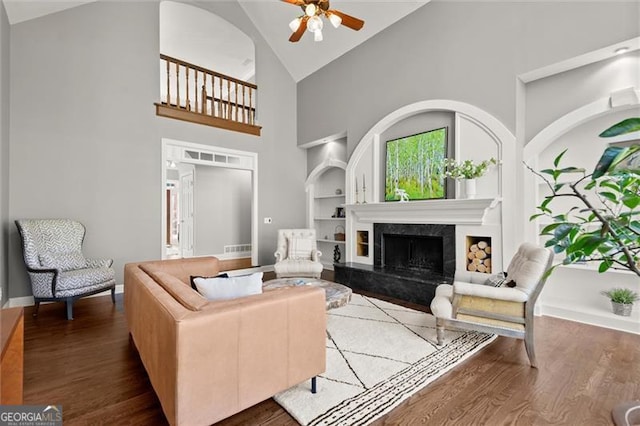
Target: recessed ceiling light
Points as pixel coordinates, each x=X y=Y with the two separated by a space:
x=621 y=50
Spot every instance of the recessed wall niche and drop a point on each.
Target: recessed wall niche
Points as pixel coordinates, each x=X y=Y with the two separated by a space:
x=478 y=254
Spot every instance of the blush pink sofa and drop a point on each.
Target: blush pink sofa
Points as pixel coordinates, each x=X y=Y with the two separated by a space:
x=208 y=360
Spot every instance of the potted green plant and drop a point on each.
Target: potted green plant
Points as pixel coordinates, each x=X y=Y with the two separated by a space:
x=468 y=171
x=622 y=300
x=607 y=231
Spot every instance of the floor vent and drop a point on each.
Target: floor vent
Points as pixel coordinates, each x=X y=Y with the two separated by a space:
x=237 y=249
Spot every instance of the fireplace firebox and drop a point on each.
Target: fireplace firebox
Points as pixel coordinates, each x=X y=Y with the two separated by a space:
x=410 y=261
x=416 y=247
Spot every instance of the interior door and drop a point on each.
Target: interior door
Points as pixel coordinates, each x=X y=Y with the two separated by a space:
x=186 y=212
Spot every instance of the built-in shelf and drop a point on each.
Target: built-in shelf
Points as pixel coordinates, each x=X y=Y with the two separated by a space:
x=322 y=197
x=593 y=266
x=600 y=315
x=322 y=240
x=326 y=208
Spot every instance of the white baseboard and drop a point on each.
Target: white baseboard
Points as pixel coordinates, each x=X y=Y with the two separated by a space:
x=594 y=316
x=28 y=300
x=21 y=301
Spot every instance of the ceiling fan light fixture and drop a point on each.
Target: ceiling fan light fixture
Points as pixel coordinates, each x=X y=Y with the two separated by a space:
x=295 y=24
x=314 y=24
x=335 y=20
x=310 y=10
x=317 y=35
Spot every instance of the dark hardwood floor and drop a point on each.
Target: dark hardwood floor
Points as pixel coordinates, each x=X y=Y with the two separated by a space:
x=90 y=367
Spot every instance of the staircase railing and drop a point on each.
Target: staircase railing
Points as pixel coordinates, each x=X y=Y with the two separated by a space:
x=196 y=94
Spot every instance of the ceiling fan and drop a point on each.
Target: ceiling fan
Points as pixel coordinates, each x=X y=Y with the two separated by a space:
x=311 y=20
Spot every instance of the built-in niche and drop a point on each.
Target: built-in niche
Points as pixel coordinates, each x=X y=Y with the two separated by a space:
x=362 y=243
x=478 y=254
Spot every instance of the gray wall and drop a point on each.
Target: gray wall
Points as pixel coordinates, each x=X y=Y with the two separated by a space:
x=335 y=149
x=4 y=152
x=222 y=199
x=86 y=144
x=464 y=51
x=576 y=88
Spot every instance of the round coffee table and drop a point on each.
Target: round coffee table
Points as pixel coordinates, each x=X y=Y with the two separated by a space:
x=337 y=295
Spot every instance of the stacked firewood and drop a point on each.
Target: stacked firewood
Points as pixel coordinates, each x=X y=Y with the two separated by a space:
x=479 y=257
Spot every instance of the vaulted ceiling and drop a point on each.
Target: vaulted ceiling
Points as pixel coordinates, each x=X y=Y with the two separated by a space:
x=271 y=18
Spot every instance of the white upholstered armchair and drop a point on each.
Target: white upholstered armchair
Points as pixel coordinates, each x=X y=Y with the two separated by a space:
x=52 y=250
x=506 y=310
x=297 y=254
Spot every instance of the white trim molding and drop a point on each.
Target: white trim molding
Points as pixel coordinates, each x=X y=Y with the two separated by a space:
x=437 y=212
x=28 y=300
x=243 y=160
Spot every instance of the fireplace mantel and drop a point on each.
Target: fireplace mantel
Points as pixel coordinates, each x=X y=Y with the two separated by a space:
x=446 y=212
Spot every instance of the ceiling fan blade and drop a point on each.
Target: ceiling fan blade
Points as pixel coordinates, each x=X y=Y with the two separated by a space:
x=295 y=2
x=301 y=29
x=348 y=20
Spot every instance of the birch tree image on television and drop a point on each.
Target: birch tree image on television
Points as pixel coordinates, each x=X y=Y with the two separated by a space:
x=415 y=166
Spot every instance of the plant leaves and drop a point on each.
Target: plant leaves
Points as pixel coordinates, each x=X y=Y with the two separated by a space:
x=631 y=201
x=563 y=230
x=556 y=161
x=625 y=126
x=605 y=265
x=550 y=228
x=535 y=216
x=609 y=196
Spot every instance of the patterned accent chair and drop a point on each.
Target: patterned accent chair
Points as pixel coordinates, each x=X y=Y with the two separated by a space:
x=506 y=309
x=297 y=254
x=52 y=250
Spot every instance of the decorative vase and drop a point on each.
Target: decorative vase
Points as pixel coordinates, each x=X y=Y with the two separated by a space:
x=470 y=188
x=623 y=309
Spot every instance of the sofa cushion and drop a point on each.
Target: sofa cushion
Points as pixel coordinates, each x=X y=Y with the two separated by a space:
x=184 y=268
x=63 y=261
x=180 y=291
x=229 y=288
x=299 y=248
x=80 y=279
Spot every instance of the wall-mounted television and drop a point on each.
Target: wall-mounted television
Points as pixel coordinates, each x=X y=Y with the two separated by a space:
x=415 y=166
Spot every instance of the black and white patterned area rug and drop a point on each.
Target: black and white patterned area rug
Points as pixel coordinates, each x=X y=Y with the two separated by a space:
x=378 y=354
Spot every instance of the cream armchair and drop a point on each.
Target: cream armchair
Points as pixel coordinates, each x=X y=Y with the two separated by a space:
x=504 y=310
x=297 y=254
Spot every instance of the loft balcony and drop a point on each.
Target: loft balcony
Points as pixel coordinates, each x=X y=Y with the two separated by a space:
x=203 y=96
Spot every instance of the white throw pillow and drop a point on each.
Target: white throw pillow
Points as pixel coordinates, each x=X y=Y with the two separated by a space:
x=299 y=249
x=229 y=288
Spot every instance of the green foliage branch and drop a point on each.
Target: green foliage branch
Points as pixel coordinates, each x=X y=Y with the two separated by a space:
x=466 y=169
x=609 y=234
